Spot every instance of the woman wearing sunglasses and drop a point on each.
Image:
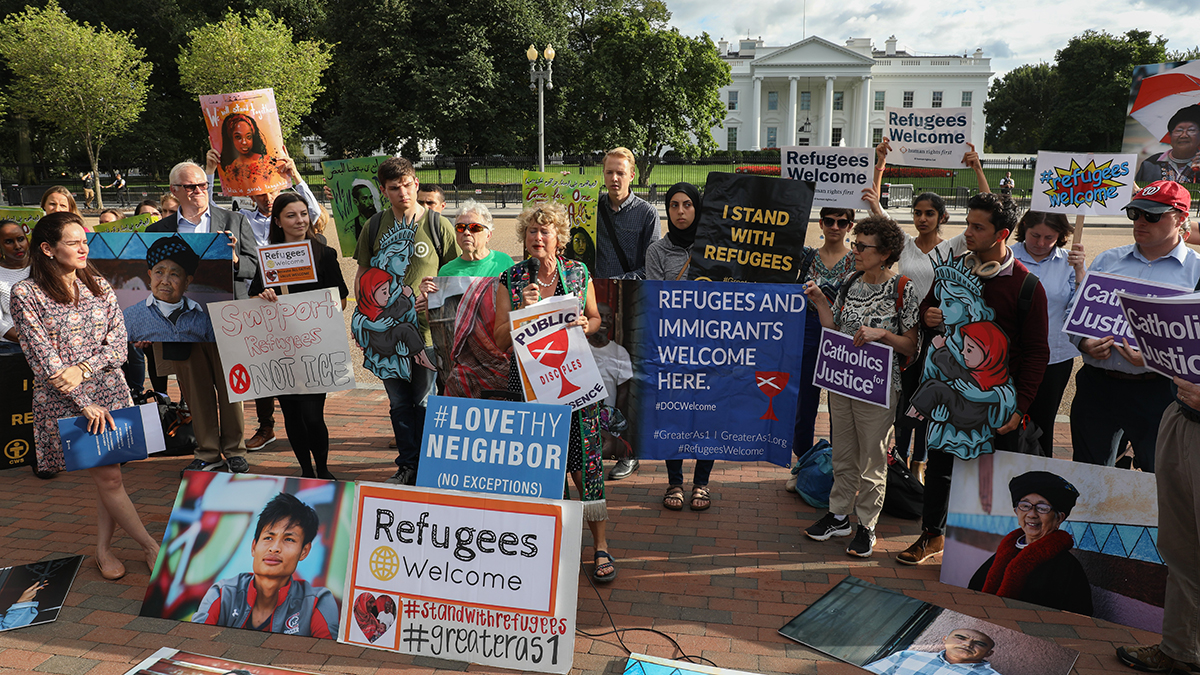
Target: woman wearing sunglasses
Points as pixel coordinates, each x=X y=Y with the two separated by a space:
x=473 y=230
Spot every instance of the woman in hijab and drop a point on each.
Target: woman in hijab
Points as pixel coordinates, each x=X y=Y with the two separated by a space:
x=1034 y=563
x=668 y=258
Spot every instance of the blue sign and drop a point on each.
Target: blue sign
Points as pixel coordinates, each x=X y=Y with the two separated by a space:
x=500 y=447
x=716 y=369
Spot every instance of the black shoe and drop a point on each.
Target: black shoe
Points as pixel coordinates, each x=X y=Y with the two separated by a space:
x=238 y=465
x=623 y=469
x=201 y=465
x=863 y=543
x=404 y=476
x=829 y=526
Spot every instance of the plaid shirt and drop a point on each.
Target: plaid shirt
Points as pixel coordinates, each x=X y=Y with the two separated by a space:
x=926 y=663
x=637 y=226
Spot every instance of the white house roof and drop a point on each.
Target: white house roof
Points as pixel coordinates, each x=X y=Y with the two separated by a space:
x=813 y=51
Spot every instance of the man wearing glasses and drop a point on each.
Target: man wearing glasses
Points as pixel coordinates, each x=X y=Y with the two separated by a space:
x=1182 y=162
x=1114 y=391
x=431 y=197
x=219 y=424
x=966 y=651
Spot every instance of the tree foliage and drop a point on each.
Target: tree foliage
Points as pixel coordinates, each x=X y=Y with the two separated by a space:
x=242 y=53
x=1018 y=107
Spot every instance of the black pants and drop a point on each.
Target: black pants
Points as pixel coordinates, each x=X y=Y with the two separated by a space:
x=1105 y=404
x=938 y=471
x=304 y=418
x=265 y=411
x=910 y=429
x=1044 y=408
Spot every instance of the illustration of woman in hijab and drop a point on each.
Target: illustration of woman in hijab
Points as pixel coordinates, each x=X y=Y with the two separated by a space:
x=385 y=318
x=246 y=165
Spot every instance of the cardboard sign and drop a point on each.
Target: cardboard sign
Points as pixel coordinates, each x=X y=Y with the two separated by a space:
x=1097 y=309
x=138 y=433
x=556 y=363
x=840 y=174
x=137 y=223
x=499 y=447
x=283 y=264
x=485 y=579
x=1167 y=332
x=861 y=373
x=26 y=215
x=355 y=196
x=243 y=127
x=296 y=345
x=16 y=422
x=1083 y=184
x=47 y=582
x=579 y=195
x=931 y=137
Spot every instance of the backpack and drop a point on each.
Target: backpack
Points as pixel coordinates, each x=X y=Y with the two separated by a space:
x=814 y=474
x=898 y=298
x=905 y=496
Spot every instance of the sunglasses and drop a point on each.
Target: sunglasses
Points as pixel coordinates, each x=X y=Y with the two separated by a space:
x=429 y=203
x=1042 y=509
x=475 y=228
x=1134 y=214
x=190 y=187
x=862 y=248
x=835 y=222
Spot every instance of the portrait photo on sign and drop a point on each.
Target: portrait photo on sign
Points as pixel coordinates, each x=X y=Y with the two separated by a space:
x=34 y=593
x=168 y=661
x=356 y=196
x=263 y=553
x=1094 y=550
x=243 y=128
x=1163 y=126
x=889 y=633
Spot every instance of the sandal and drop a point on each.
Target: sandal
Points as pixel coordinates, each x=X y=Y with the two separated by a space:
x=607 y=578
x=700 y=498
x=673 y=500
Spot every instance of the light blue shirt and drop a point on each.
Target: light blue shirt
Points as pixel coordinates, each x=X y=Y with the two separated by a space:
x=262 y=224
x=910 y=662
x=188 y=227
x=1180 y=267
x=1058 y=279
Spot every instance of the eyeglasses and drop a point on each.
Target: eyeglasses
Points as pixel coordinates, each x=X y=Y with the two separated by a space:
x=862 y=248
x=190 y=187
x=1042 y=509
x=1134 y=214
x=835 y=222
x=475 y=228
x=428 y=203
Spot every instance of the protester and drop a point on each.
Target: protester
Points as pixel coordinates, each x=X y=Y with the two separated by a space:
x=668 y=258
x=1181 y=163
x=109 y=215
x=1114 y=391
x=965 y=653
x=616 y=372
x=168 y=205
x=473 y=231
x=1040 y=241
x=148 y=206
x=431 y=197
x=1019 y=309
x=119 y=184
x=73 y=336
x=217 y=423
x=545 y=229
x=304 y=414
x=874 y=305
x=627 y=223
x=58 y=198
x=14 y=268
x=433 y=245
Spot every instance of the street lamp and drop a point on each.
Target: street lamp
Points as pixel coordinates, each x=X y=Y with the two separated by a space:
x=541 y=78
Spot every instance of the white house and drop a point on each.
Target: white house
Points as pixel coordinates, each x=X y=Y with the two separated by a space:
x=815 y=92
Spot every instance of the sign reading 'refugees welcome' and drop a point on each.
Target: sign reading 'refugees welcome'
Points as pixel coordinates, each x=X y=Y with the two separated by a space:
x=933 y=137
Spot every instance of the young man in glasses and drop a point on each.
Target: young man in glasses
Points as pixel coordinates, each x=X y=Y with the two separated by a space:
x=1114 y=391
x=431 y=197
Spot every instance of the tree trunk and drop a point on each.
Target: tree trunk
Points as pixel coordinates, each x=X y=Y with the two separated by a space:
x=94 y=161
x=462 y=171
x=25 y=172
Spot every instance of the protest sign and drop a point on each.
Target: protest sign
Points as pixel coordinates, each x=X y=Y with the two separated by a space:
x=579 y=195
x=840 y=174
x=34 y=593
x=862 y=373
x=555 y=361
x=1096 y=312
x=295 y=345
x=170 y=661
x=16 y=412
x=462 y=313
x=1164 y=95
x=356 y=195
x=487 y=579
x=243 y=127
x=500 y=447
x=932 y=137
x=26 y=215
x=138 y=433
x=1083 y=184
x=752 y=228
x=137 y=223
x=283 y=264
x=1167 y=332
x=209 y=563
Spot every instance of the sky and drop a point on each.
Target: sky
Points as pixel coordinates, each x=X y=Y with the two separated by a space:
x=1010 y=32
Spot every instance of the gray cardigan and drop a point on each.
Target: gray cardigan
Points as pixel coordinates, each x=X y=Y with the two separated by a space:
x=664 y=260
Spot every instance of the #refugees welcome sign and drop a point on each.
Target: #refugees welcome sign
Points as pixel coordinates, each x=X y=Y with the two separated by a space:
x=1082 y=184
x=932 y=137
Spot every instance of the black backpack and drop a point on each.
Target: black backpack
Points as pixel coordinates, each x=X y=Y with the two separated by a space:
x=905 y=496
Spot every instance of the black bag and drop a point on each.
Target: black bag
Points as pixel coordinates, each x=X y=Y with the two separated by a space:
x=905 y=496
x=176 y=424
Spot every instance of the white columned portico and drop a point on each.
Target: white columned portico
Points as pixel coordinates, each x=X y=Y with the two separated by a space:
x=827 y=112
x=791 y=134
x=868 y=105
x=757 y=117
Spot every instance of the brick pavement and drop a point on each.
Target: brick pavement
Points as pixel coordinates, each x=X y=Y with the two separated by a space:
x=720 y=582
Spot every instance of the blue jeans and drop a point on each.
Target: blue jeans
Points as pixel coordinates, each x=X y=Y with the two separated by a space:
x=9 y=347
x=700 y=477
x=406 y=406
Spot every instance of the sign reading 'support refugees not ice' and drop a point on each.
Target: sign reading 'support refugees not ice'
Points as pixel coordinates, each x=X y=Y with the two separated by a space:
x=840 y=174
x=933 y=137
x=1082 y=184
x=1097 y=309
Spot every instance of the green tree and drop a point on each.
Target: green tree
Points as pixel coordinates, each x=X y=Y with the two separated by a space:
x=646 y=88
x=1018 y=107
x=256 y=52
x=89 y=83
x=1184 y=54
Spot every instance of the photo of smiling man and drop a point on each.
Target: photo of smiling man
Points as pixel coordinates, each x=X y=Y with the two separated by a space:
x=272 y=598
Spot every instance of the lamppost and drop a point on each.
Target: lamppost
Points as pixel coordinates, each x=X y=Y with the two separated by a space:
x=541 y=78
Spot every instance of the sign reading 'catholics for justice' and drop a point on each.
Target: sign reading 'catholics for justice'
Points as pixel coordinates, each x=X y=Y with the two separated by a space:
x=840 y=174
x=1167 y=332
x=862 y=373
x=932 y=137
x=1097 y=309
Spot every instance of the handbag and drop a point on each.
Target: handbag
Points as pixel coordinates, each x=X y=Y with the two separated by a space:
x=176 y=424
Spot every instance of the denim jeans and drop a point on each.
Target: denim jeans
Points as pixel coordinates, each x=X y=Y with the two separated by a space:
x=9 y=347
x=406 y=399
x=700 y=477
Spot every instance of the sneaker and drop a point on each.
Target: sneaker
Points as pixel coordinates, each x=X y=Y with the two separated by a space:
x=1151 y=659
x=404 y=476
x=238 y=465
x=261 y=439
x=863 y=543
x=922 y=549
x=829 y=526
x=201 y=465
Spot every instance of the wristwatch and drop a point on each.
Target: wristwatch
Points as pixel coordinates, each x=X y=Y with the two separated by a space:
x=87 y=371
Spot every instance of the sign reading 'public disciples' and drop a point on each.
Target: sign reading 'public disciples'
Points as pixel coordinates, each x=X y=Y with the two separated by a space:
x=751 y=229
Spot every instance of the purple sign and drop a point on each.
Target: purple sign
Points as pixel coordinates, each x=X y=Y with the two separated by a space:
x=862 y=373
x=1097 y=310
x=1168 y=332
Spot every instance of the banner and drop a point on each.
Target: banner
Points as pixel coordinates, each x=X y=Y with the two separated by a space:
x=499 y=447
x=931 y=137
x=137 y=223
x=485 y=579
x=26 y=215
x=1164 y=96
x=138 y=433
x=555 y=361
x=34 y=593
x=1097 y=309
x=1167 y=332
x=170 y=661
x=752 y=229
x=1083 y=184
x=296 y=345
x=840 y=174
x=861 y=373
x=16 y=412
x=283 y=264
x=356 y=196
x=580 y=195
x=244 y=128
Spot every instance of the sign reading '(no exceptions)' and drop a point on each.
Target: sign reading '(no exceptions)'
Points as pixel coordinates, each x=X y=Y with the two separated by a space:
x=861 y=373
x=501 y=447
x=1097 y=310
x=840 y=174
x=933 y=137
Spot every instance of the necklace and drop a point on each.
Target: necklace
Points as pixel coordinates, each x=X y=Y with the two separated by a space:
x=545 y=285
